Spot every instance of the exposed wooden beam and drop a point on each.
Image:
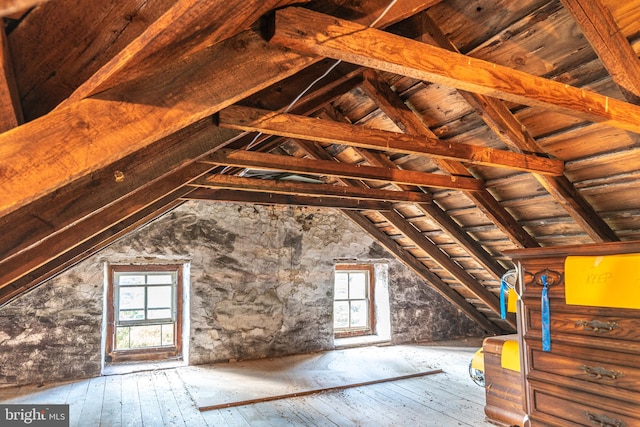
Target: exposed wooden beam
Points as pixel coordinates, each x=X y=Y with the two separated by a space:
x=462 y=238
x=47 y=153
x=365 y=12
x=442 y=259
x=189 y=25
x=263 y=161
x=410 y=261
x=507 y=127
x=318 y=34
x=315 y=150
x=26 y=262
x=83 y=250
x=60 y=44
x=447 y=224
x=10 y=108
x=196 y=22
x=295 y=126
x=33 y=224
x=612 y=47
x=395 y=108
x=130 y=113
x=290 y=187
x=391 y=102
x=72 y=207
x=237 y=196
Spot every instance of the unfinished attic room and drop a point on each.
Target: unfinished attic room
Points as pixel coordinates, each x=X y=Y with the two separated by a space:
x=320 y=213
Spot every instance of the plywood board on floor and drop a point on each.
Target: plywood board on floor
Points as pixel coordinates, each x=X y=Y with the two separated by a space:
x=233 y=384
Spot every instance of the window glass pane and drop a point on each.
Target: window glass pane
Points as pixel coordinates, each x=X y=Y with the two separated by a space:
x=341 y=314
x=131 y=297
x=159 y=297
x=167 y=335
x=146 y=336
x=163 y=313
x=358 y=314
x=131 y=279
x=357 y=285
x=122 y=338
x=160 y=279
x=342 y=286
x=131 y=315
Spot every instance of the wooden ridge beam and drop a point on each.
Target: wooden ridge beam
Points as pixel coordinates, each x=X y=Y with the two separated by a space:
x=419 y=268
x=308 y=128
x=237 y=196
x=264 y=161
x=395 y=108
x=66 y=144
x=289 y=187
x=314 y=33
x=607 y=40
x=514 y=134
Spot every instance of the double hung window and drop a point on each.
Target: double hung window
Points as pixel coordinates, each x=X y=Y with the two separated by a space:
x=145 y=312
x=353 y=300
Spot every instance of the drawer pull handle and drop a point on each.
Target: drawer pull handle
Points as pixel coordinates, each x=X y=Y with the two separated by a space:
x=597 y=326
x=604 y=421
x=601 y=373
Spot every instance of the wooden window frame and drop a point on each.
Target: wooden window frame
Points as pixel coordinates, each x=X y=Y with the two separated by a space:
x=113 y=355
x=370 y=329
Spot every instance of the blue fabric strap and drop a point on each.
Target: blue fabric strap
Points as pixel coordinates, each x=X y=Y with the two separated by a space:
x=503 y=304
x=546 y=326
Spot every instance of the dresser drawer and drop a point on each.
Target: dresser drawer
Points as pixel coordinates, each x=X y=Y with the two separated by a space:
x=605 y=379
x=590 y=323
x=571 y=408
x=532 y=278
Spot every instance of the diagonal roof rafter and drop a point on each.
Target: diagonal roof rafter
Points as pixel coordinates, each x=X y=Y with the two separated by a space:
x=514 y=134
x=395 y=108
x=316 y=151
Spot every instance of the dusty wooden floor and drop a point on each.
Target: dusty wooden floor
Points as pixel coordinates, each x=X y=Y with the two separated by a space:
x=160 y=397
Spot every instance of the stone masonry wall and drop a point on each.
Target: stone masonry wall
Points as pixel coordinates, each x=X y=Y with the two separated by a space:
x=261 y=283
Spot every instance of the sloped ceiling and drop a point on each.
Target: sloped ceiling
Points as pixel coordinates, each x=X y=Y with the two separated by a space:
x=448 y=130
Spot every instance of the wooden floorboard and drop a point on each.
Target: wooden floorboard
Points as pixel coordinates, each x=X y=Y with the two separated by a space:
x=131 y=410
x=112 y=403
x=91 y=414
x=161 y=398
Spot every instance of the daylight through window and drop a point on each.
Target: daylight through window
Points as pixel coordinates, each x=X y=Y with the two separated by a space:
x=353 y=300
x=146 y=310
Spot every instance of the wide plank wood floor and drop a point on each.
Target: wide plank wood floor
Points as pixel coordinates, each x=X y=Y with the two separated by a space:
x=161 y=398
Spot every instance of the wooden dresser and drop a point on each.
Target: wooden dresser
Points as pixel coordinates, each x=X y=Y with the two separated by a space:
x=591 y=376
